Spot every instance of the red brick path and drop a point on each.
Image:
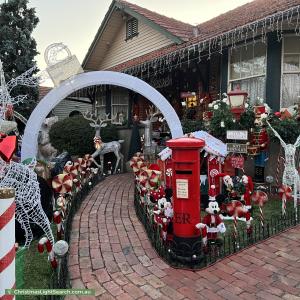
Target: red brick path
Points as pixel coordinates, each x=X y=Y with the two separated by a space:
x=110 y=252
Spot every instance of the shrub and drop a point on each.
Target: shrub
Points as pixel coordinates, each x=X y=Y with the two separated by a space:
x=75 y=135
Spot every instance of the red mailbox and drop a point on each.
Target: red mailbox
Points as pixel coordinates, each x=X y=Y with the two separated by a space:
x=186 y=187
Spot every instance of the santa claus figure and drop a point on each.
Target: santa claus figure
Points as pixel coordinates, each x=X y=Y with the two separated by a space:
x=248 y=184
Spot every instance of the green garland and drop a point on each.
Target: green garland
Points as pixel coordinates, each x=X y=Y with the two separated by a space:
x=223 y=119
x=288 y=128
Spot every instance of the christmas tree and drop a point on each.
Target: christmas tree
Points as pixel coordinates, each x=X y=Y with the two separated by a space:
x=18 y=47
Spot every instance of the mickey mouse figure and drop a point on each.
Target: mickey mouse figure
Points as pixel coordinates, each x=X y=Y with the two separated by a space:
x=212 y=222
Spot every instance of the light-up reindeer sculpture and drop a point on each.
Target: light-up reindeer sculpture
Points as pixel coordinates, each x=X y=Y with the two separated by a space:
x=19 y=176
x=152 y=116
x=6 y=100
x=290 y=174
x=103 y=148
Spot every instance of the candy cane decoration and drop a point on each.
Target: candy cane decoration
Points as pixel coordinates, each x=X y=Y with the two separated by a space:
x=57 y=218
x=203 y=228
x=285 y=192
x=7 y=241
x=45 y=242
x=62 y=183
x=260 y=198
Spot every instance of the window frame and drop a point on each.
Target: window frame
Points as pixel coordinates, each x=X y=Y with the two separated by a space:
x=230 y=81
x=129 y=23
x=126 y=115
x=282 y=65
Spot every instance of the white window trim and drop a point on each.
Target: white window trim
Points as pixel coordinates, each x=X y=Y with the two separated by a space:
x=229 y=81
x=285 y=72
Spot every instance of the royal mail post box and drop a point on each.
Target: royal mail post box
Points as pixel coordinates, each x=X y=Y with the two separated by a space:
x=186 y=187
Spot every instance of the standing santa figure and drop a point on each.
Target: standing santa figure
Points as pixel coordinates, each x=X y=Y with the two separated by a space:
x=249 y=187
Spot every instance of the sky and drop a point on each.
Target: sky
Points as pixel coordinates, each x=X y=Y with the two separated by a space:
x=75 y=22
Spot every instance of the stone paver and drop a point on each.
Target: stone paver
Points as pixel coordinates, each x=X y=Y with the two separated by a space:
x=110 y=252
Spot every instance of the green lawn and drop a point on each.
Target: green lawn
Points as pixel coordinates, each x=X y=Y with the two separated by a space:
x=36 y=270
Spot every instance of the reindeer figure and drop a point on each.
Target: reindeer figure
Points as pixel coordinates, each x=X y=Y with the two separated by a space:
x=290 y=174
x=28 y=199
x=103 y=148
x=151 y=118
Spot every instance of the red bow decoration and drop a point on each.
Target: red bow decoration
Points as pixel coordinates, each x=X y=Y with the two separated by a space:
x=285 y=191
x=235 y=208
x=259 y=197
x=8 y=146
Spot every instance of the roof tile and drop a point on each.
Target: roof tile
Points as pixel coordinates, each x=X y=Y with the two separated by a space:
x=242 y=15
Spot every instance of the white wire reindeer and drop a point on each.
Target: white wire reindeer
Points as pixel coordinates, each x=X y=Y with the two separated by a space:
x=152 y=116
x=290 y=174
x=28 y=199
x=114 y=146
x=6 y=99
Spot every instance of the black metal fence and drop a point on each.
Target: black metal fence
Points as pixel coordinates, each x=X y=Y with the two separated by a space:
x=60 y=278
x=196 y=256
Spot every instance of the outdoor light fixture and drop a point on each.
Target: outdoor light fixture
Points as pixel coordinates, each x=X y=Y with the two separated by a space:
x=237 y=100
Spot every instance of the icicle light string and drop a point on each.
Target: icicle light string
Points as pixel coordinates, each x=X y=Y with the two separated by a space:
x=232 y=37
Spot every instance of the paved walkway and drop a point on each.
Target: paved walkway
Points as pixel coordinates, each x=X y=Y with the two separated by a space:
x=110 y=252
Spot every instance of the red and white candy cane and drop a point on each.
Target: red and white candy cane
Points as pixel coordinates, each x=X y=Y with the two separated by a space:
x=285 y=193
x=235 y=208
x=57 y=218
x=260 y=198
x=203 y=228
x=45 y=242
x=62 y=183
x=7 y=241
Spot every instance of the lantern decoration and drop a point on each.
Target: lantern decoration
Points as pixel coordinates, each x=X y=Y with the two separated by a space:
x=62 y=183
x=237 y=101
x=285 y=192
x=260 y=198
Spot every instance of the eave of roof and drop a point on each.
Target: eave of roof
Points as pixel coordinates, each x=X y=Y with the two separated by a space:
x=206 y=34
x=175 y=30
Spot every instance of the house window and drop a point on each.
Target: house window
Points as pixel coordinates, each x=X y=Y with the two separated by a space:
x=247 y=69
x=131 y=28
x=119 y=103
x=290 y=82
x=100 y=103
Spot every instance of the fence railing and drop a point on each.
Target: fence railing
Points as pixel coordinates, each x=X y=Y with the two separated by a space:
x=60 y=276
x=196 y=256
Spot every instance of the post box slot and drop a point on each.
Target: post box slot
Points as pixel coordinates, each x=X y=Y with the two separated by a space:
x=184 y=172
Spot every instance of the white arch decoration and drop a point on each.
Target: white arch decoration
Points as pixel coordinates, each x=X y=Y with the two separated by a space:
x=30 y=143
